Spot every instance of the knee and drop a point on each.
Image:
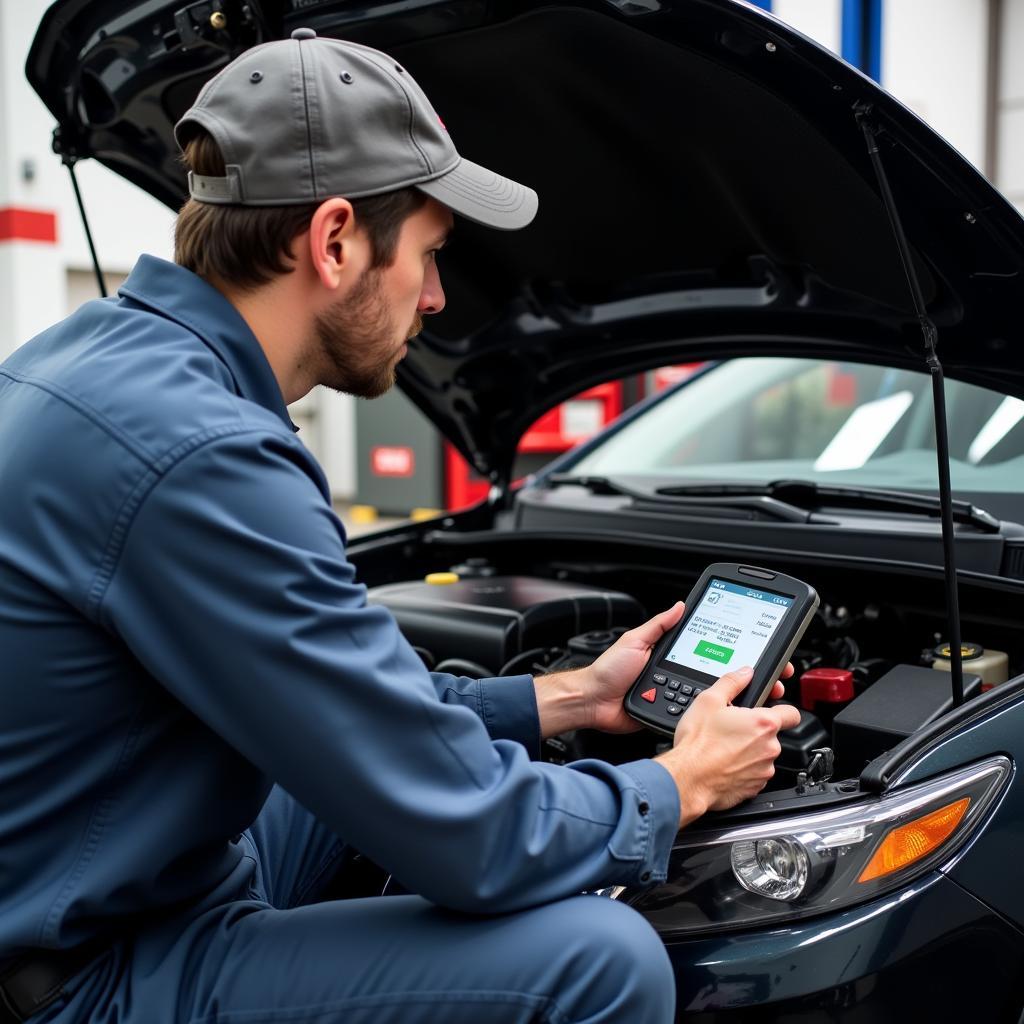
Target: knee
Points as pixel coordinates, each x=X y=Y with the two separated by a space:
x=622 y=936
x=621 y=960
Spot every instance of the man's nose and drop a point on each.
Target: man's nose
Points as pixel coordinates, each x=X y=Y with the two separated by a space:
x=432 y=295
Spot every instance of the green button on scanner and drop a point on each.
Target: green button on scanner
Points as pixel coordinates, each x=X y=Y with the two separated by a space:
x=706 y=650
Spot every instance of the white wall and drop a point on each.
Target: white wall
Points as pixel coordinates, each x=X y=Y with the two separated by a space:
x=934 y=59
x=125 y=221
x=32 y=284
x=1010 y=112
x=820 y=19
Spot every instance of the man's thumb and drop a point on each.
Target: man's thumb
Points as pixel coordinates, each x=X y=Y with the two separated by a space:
x=654 y=629
x=732 y=684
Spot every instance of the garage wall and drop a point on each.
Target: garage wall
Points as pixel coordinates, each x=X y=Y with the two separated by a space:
x=935 y=59
x=1009 y=145
x=819 y=19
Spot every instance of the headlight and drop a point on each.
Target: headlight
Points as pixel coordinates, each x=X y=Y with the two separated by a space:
x=796 y=866
x=776 y=868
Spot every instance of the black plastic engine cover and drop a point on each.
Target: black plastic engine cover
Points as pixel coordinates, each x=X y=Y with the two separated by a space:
x=904 y=700
x=491 y=620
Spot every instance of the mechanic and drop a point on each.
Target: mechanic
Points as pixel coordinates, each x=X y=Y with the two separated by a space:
x=202 y=715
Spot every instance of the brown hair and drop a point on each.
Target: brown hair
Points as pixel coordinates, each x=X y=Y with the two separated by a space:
x=246 y=246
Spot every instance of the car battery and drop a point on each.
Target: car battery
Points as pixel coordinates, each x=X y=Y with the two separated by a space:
x=490 y=620
x=902 y=701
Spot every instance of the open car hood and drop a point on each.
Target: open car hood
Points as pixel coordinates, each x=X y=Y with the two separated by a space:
x=705 y=188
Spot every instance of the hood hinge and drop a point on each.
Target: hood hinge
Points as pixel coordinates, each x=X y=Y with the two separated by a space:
x=499 y=496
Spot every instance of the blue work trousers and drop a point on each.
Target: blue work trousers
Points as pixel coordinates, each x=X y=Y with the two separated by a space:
x=267 y=952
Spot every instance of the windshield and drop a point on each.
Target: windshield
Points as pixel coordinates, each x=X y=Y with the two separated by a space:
x=762 y=419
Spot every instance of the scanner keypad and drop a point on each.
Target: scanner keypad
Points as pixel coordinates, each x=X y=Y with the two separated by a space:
x=676 y=695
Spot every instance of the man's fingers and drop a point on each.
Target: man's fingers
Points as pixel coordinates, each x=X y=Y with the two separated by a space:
x=786 y=715
x=654 y=629
x=732 y=684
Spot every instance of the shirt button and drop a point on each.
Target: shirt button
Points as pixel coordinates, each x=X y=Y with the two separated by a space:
x=644 y=807
x=645 y=877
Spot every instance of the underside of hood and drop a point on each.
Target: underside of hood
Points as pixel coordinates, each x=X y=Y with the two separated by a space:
x=703 y=173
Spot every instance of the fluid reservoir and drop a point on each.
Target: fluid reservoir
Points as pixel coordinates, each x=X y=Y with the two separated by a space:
x=992 y=666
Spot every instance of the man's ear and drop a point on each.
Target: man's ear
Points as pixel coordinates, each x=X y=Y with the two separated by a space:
x=336 y=249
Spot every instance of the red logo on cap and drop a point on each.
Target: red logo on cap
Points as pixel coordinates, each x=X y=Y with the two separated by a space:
x=441 y=123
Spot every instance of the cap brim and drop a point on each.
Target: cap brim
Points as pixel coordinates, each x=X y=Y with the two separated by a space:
x=483 y=196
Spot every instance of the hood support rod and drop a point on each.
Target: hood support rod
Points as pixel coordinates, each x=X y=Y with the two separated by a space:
x=931 y=337
x=70 y=165
x=69 y=157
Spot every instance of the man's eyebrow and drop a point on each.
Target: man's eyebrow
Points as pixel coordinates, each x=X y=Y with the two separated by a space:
x=441 y=240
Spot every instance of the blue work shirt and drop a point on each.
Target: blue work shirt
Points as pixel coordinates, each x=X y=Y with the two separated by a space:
x=180 y=629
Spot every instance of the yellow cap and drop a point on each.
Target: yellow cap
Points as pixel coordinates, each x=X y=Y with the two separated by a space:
x=441 y=577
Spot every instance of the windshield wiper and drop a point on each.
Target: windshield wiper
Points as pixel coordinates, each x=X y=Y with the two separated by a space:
x=594 y=484
x=807 y=495
x=748 y=502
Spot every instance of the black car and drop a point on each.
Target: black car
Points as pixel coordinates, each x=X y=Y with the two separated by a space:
x=715 y=187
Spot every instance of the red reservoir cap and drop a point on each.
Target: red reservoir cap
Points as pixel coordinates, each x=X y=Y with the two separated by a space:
x=829 y=685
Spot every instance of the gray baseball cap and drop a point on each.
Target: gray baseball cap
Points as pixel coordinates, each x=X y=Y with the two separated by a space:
x=304 y=119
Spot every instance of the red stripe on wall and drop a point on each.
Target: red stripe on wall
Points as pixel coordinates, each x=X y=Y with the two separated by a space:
x=20 y=225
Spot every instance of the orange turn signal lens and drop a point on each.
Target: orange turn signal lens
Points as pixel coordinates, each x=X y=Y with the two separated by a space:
x=911 y=842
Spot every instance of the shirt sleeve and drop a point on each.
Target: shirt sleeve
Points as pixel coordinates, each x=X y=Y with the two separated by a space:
x=232 y=589
x=507 y=706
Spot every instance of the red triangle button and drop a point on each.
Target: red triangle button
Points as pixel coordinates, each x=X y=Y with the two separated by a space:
x=649 y=695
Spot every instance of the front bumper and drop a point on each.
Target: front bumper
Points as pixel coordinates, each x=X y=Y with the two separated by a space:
x=928 y=952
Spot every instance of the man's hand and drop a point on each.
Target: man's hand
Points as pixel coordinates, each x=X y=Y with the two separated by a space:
x=725 y=754
x=615 y=671
x=591 y=697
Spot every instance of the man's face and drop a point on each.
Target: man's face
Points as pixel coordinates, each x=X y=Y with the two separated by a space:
x=362 y=337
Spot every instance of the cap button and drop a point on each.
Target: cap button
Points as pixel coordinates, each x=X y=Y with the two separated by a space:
x=304 y=33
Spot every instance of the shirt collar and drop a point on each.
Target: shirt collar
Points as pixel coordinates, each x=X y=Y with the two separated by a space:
x=187 y=299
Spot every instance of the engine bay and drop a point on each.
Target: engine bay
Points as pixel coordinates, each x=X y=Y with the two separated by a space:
x=868 y=672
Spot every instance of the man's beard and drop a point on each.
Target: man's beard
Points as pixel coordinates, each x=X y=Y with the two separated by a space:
x=355 y=341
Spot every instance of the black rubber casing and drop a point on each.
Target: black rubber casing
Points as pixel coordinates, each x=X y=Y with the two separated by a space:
x=663 y=675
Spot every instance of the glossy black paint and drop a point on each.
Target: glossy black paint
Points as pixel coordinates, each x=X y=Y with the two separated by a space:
x=931 y=952
x=988 y=867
